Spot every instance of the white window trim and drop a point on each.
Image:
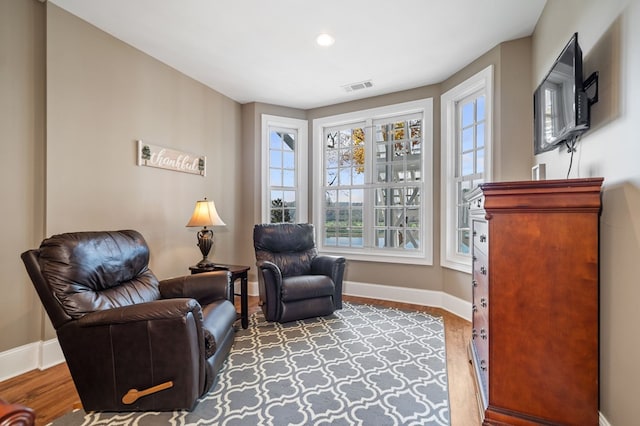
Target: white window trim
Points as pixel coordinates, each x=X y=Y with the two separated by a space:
x=482 y=81
x=425 y=255
x=302 y=161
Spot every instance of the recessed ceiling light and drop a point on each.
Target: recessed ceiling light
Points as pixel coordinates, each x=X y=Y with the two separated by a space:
x=325 y=40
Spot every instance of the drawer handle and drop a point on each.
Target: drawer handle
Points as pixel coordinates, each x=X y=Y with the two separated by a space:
x=483 y=270
x=483 y=334
x=483 y=238
x=475 y=232
x=474 y=333
x=483 y=302
x=474 y=308
x=483 y=365
x=474 y=283
x=479 y=203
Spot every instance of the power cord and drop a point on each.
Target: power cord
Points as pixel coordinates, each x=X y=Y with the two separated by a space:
x=571 y=148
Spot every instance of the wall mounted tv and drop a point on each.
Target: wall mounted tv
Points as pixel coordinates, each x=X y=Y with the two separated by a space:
x=561 y=106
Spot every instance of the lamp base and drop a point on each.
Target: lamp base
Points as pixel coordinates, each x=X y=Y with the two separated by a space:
x=205 y=263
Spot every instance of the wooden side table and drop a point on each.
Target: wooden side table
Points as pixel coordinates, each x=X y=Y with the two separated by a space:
x=238 y=272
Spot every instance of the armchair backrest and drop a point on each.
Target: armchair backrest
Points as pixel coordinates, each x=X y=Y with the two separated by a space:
x=291 y=246
x=82 y=272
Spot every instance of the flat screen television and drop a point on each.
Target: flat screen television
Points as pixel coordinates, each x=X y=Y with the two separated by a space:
x=560 y=103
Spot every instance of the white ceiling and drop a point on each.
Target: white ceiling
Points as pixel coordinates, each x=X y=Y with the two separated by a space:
x=265 y=51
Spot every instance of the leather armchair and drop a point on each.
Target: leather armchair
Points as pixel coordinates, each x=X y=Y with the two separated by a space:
x=294 y=281
x=121 y=329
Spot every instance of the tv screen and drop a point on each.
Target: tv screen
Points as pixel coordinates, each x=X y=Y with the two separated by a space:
x=560 y=107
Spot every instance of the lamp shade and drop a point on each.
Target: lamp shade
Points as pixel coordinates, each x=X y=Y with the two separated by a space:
x=205 y=214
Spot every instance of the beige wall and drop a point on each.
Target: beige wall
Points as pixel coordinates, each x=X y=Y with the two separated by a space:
x=609 y=35
x=21 y=175
x=103 y=95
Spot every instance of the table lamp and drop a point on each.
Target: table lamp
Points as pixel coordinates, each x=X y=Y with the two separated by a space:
x=205 y=214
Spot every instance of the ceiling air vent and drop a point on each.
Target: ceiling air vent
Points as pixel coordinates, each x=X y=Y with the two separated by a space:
x=357 y=86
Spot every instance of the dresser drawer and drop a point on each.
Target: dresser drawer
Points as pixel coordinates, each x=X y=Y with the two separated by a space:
x=480 y=236
x=481 y=361
x=476 y=204
x=480 y=270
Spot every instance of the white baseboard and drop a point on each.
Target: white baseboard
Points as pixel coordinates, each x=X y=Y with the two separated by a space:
x=436 y=299
x=41 y=355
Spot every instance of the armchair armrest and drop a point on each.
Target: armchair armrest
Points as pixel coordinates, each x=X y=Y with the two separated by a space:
x=333 y=267
x=270 y=282
x=205 y=288
x=158 y=309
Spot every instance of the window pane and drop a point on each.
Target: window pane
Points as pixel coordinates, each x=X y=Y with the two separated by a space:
x=480 y=161
x=412 y=239
x=289 y=198
x=275 y=158
x=331 y=198
x=463 y=187
x=288 y=178
x=413 y=218
x=467 y=114
x=413 y=196
x=463 y=216
x=289 y=142
x=467 y=164
x=289 y=215
x=467 y=139
x=399 y=150
x=275 y=177
x=416 y=147
x=480 y=108
x=332 y=158
x=332 y=177
x=288 y=160
x=480 y=135
x=382 y=150
x=345 y=176
x=463 y=242
x=275 y=141
x=344 y=138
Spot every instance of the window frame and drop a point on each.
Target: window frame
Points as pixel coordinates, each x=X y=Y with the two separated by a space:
x=480 y=83
x=422 y=256
x=269 y=122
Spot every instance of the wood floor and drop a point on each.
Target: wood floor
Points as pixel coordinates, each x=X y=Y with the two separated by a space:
x=51 y=392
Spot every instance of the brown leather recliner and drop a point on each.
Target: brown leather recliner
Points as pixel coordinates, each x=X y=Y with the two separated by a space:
x=121 y=329
x=294 y=281
x=16 y=415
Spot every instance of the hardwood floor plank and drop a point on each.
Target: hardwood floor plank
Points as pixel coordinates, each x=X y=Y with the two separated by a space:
x=51 y=392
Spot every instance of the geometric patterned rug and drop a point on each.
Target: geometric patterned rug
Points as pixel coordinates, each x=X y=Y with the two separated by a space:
x=363 y=365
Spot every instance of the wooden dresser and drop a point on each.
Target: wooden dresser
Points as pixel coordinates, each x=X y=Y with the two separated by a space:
x=534 y=346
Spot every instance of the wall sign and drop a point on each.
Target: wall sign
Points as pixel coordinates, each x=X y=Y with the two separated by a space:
x=170 y=159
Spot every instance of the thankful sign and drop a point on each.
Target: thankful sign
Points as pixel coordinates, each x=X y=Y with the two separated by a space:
x=171 y=159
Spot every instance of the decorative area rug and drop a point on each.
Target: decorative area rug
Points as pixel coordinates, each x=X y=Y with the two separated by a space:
x=363 y=365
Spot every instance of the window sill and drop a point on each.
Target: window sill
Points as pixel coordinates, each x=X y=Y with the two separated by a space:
x=400 y=258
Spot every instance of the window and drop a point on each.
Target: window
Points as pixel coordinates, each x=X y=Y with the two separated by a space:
x=373 y=173
x=466 y=155
x=284 y=165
